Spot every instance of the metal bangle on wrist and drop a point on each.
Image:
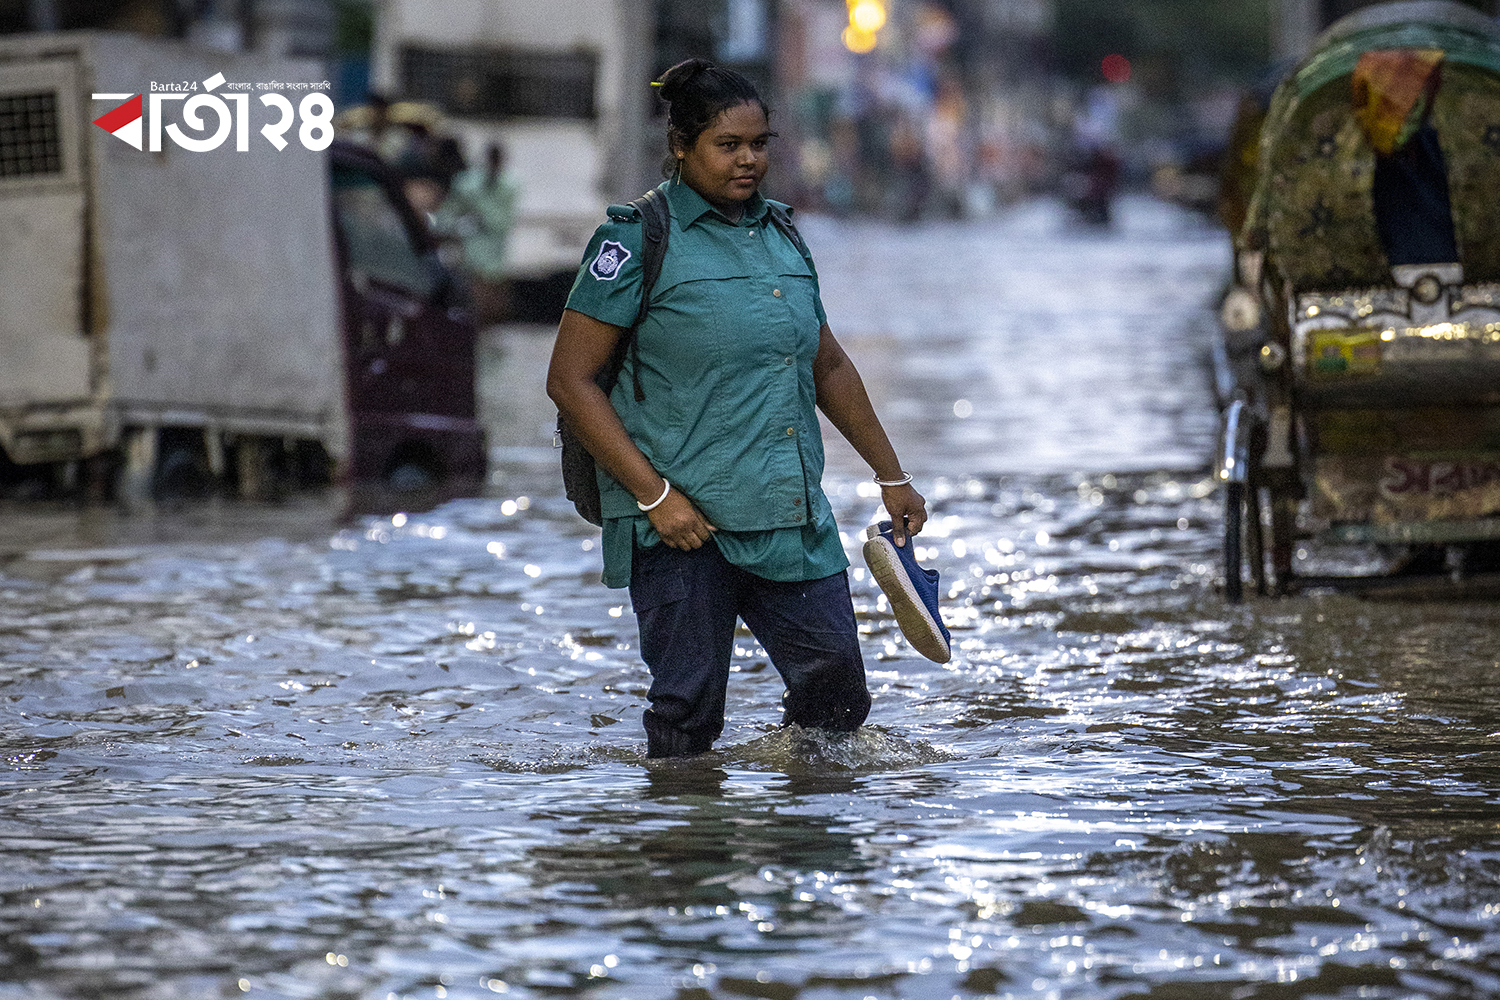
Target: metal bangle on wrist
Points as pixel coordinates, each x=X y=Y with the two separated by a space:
x=905 y=478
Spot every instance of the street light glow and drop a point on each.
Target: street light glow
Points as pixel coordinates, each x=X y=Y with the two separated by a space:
x=858 y=41
x=867 y=15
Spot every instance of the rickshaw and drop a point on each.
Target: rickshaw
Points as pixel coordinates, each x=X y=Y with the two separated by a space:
x=1360 y=390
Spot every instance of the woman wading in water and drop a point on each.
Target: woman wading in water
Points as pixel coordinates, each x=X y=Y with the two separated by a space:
x=711 y=469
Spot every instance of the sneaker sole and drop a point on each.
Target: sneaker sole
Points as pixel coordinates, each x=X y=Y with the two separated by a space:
x=911 y=614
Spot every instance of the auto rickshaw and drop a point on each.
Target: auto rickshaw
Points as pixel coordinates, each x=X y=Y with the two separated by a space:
x=1360 y=388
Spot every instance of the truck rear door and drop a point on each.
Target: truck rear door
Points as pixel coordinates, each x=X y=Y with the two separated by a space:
x=44 y=347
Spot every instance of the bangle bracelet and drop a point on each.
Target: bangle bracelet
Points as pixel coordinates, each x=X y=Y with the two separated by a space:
x=905 y=478
x=667 y=488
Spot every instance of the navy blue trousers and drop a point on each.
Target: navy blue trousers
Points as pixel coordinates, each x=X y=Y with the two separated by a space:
x=686 y=603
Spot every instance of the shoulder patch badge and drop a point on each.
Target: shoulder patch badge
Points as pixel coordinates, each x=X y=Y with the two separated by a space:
x=612 y=257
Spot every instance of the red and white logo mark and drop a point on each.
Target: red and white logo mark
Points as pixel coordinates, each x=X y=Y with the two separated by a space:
x=124 y=122
x=229 y=111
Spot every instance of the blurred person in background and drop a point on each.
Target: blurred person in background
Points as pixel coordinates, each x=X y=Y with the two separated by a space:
x=409 y=136
x=948 y=157
x=912 y=181
x=1093 y=178
x=480 y=212
x=427 y=167
x=709 y=444
x=371 y=126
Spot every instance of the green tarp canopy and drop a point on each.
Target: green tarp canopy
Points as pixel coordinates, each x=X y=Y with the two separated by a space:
x=1464 y=34
x=1311 y=209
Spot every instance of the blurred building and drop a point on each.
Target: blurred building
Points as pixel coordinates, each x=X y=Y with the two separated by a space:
x=944 y=109
x=278 y=27
x=738 y=33
x=948 y=107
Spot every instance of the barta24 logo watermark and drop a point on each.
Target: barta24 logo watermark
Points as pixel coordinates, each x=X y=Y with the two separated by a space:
x=231 y=111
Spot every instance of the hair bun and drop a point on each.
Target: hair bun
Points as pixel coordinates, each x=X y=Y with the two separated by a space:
x=669 y=85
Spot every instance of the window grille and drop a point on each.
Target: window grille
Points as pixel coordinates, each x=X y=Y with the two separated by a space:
x=496 y=83
x=30 y=135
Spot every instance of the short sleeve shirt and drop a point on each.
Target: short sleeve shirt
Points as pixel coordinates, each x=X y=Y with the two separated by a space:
x=725 y=364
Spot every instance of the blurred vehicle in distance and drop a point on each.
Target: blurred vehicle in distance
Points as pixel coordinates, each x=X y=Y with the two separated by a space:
x=409 y=343
x=561 y=85
x=1093 y=166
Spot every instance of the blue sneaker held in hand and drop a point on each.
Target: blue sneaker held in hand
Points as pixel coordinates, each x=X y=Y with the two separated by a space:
x=912 y=591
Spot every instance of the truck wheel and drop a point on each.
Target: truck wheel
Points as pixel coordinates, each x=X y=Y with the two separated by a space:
x=182 y=467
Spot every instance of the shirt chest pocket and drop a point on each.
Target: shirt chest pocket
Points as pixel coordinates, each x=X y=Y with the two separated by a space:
x=794 y=277
x=730 y=298
x=798 y=294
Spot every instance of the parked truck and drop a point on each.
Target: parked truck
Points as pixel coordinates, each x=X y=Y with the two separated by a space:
x=561 y=84
x=182 y=300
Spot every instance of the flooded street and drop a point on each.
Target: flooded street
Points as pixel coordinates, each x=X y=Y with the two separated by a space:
x=259 y=752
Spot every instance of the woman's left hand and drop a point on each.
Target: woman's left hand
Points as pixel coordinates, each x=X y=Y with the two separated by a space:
x=907 y=509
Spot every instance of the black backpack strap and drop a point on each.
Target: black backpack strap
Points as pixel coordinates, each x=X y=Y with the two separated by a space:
x=656 y=218
x=783 y=220
x=655 y=215
x=579 y=469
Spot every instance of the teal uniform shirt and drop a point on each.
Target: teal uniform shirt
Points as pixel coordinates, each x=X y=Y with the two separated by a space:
x=726 y=355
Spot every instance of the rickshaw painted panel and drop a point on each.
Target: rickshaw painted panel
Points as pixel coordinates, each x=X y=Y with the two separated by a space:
x=1384 y=432
x=1466 y=114
x=1450 y=363
x=1316 y=194
x=1395 y=488
x=1344 y=352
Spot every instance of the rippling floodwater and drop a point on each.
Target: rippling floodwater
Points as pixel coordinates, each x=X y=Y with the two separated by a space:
x=253 y=752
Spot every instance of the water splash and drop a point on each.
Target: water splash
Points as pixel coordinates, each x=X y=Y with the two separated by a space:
x=867 y=750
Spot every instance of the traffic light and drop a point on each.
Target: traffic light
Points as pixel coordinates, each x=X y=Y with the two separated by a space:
x=866 y=18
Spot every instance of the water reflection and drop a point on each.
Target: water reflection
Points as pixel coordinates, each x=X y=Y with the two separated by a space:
x=711 y=870
x=233 y=761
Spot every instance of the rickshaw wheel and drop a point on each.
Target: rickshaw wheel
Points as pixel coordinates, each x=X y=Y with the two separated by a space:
x=1255 y=547
x=1234 y=510
x=1283 y=525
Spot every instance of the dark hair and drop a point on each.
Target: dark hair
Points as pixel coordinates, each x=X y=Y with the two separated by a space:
x=696 y=92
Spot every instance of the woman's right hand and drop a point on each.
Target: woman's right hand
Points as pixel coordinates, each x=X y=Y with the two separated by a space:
x=680 y=524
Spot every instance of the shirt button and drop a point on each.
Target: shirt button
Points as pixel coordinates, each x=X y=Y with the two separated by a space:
x=790 y=360
x=790 y=431
x=797 y=502
x=797 y=517
x=776 y=292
